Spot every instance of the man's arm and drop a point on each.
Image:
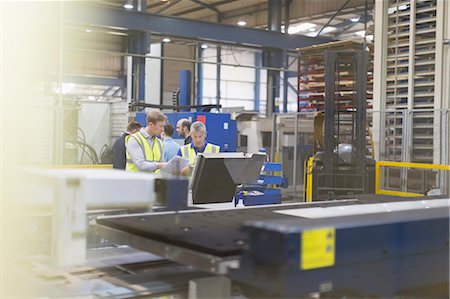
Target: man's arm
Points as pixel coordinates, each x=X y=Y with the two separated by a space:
x=137 y=156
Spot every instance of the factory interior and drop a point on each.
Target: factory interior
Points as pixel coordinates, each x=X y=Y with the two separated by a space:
x=225 y=149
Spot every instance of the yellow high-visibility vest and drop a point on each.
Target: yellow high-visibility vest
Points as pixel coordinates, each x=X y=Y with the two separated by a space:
x=188 y=152
x=151 y=154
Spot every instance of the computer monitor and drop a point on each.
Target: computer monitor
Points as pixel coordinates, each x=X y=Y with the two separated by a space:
x=216 y=176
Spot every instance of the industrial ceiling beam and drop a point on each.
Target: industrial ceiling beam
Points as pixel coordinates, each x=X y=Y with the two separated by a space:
x=207 y=6
x=168 y=5
x=195 y=9
x=89 y=15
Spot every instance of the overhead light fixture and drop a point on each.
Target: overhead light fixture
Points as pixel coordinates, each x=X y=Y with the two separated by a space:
x=242 y=23
x=312 y=29
x=128 y=4
x=88 y=30
x=204 y=46
x=166 y=40
x=355 y=19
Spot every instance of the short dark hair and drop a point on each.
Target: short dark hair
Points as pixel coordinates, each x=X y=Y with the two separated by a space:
x=187 y=124
x=168 y=130
x=155 y=116
x=133 y=126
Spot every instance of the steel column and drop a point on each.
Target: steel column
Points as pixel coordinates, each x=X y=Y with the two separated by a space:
x=285 y=82
x=161 y=77
x=257 y=86
x=219 y=60
x=294 y=180
x=139 y=42
x=200 y=76
x=329 y=138
x=273 y=58
x=361 y=99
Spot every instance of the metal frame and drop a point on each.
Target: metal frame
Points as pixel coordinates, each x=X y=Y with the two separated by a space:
x=359 y=64
x=409 y=43
x=201 y=261
x=403 y=165
x=77 y=13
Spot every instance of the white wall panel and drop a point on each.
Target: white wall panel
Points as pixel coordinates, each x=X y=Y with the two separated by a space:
x=153 y=75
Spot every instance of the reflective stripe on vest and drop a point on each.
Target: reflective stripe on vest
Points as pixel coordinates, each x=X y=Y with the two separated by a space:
x=151 y=154
x=189 y=153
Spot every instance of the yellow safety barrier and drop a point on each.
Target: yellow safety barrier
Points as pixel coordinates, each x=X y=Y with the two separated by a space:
x=309 y=179
x=379 y=164
x=101 y=166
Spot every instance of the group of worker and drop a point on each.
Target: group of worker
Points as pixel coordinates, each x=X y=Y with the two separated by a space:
x=149 y=148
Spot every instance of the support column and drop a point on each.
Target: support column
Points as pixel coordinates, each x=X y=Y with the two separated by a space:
x=200 y=76
x=139 y=43
x=219 y=61
x=257 y=94
x=218 y=78
x=287 y=5
x=379 y=80
x=273 y=58
x=285 y=81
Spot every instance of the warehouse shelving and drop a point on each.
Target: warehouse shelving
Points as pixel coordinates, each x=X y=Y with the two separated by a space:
x=311 y=80
x=411 y=50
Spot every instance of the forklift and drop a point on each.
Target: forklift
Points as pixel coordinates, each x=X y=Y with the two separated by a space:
x=343 y=164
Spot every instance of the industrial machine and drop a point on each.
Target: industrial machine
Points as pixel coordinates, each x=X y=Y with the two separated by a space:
x=358 y=246
x=342 y=166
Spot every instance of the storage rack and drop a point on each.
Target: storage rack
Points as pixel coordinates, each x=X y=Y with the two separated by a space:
x=311 y=76
x=311 y=84
x=410 y=80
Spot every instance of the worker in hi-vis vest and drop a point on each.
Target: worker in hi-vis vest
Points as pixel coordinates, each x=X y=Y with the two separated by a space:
x=198 y=145
x=144 y=149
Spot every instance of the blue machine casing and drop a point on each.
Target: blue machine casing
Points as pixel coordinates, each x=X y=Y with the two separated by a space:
x=261 y=192
x=377 y=255
x=222 y=130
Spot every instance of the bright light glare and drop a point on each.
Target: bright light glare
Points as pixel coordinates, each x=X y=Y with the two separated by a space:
x=242 y=23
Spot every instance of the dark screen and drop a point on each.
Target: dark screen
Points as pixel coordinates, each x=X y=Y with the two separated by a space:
x=215 y=179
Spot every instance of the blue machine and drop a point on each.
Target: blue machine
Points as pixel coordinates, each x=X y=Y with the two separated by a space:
x=222 y=130
x=260 y=192
x=372 y=255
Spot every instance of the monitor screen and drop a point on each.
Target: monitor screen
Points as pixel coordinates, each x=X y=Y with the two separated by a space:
x=216 y=176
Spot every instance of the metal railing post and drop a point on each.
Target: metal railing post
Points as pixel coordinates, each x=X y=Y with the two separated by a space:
x=294 y=180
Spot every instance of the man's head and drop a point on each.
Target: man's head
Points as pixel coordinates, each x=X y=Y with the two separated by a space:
x=133 y=127
x=155 y=122
x=168 y=130
x=183 y=127
x=198 y=133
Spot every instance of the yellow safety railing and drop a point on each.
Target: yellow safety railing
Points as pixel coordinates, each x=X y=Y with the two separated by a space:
x=308 y=179
x=379 y=164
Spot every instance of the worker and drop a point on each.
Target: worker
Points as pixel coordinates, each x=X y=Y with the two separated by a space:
x=171 y=147
x=119 y=148
x=198 y=145
x=144 y=149
x=183 y=129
